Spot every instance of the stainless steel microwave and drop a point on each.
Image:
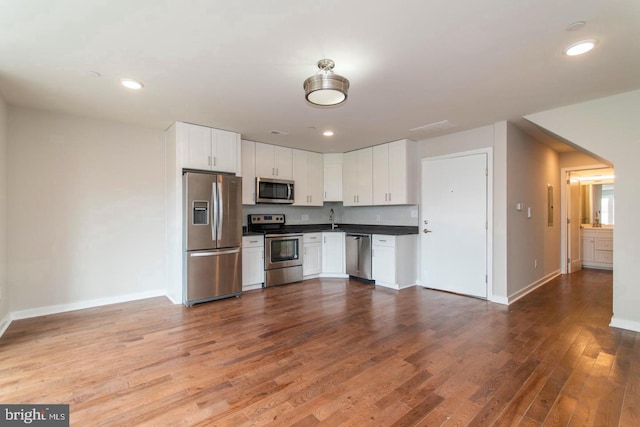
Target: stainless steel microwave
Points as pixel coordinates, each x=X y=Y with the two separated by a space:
x=274 y=190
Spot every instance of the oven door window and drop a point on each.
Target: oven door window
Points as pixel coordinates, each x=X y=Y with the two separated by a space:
x=284 y=250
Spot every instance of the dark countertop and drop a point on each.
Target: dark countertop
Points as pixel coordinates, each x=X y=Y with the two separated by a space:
x=391 y=230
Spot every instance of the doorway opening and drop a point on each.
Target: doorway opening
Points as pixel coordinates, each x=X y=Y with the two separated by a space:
x=587 y=202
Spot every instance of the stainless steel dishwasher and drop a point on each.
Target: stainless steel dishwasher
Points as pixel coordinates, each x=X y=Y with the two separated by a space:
x=358 y=248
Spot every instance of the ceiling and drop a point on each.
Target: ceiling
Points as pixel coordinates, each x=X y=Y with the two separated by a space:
x=240 y=65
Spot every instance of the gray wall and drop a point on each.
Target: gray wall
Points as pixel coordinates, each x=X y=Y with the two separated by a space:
x=531 y=168
x=87 y=212
x=4 y=291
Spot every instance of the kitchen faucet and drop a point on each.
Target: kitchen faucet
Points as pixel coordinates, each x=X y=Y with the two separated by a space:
x=332 y=219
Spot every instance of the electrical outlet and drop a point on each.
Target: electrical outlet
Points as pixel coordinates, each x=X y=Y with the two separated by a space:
x=305 y=217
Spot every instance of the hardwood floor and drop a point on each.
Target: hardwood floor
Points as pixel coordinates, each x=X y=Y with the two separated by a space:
x=335 y=352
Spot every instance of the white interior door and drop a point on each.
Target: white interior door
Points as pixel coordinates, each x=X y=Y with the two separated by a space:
x=573 y=229
x=453 y=226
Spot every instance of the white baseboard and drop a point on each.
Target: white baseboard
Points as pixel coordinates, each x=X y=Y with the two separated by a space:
x=4 y=324
x=334 y=276
x=630 y=325
x=60 y=308
x=499 y=300
x=252 y=287
x=532 y=287
x=172 y=299
x=394 y=286
x=516 y=296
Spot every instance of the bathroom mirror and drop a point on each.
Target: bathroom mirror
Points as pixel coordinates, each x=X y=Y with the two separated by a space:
x=597 y=198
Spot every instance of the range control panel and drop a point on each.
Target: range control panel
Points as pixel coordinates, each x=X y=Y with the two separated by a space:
x=266 y=219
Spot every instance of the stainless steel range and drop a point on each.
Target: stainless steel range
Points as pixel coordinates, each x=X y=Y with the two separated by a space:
x=282 y=249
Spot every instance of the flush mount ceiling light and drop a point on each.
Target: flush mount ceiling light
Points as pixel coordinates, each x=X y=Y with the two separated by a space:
x=328 y=133
x=583 y=46
x=326 y=87
x=131 y=84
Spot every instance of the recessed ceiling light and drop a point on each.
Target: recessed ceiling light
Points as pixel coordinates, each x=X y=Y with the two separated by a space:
x=328 y=133
x=131 y=84
x=583 y=46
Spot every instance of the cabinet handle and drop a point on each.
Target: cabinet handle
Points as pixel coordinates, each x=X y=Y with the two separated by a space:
x=214 y=160
x=324 y=240
x=273 y=171
x=253 y=241
x=385 y=197
x=358 y=196
x=209 y=160
x=277 y=171
x=310 y=199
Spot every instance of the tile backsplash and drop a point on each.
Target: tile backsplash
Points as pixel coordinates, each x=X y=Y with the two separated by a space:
x=374 y=215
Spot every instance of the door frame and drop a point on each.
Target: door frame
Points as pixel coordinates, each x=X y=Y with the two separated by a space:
x=488 y=151
x=564 y=194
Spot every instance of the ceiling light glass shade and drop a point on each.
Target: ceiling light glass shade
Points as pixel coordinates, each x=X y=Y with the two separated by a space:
x=131 y=84
x=580 y=47
x=326 y=87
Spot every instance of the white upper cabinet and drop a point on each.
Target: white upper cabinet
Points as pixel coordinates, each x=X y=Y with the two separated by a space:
x=273 y=161
x=225 y=150
x=307 y=175
x=332 y=177
x=248 y=172
x=392 y=184
x=357 y=189
x=205 y=148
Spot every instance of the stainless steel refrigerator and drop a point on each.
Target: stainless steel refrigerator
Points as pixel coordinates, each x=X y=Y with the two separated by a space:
x=212 y=236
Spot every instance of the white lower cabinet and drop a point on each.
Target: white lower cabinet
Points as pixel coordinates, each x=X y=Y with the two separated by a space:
x=333 y=264
x=597 y=248
x=252 y=262
x=393 y=260
x=312 y=256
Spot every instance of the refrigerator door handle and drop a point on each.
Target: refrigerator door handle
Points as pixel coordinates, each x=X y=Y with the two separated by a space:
x=214 y=211
x=215 y=253
x=220 y=209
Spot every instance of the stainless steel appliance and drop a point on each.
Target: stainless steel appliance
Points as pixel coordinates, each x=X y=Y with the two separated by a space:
x=282 y=251
x=358 y=254
x=274 y=190
x=212 y=236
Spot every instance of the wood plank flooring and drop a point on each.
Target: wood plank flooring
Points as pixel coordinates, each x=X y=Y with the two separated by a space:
x=335 y=352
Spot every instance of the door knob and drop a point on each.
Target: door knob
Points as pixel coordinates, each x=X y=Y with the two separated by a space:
x=426 y=231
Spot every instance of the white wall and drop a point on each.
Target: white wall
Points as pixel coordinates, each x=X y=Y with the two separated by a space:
x=609 y=127
x=86 y=214
x=4 y=291
x=531 y=167
x=574 y=159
